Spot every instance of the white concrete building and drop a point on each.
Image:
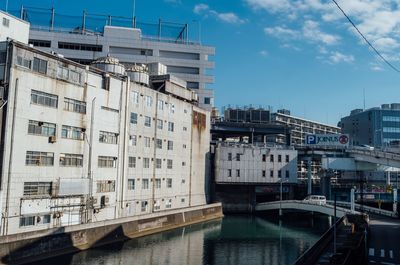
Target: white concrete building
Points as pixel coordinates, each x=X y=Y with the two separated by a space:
x=82 y=145
x=88 y=37
x=237 y=163
x=13 y=28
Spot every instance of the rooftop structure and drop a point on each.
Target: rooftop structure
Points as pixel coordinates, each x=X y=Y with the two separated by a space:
x=13 y=28
x=89 y=36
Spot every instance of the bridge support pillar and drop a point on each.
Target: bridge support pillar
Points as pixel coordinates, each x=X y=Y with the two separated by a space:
x=309 y=179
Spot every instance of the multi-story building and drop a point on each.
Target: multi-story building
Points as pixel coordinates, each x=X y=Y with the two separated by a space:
x=82 y=145
x=13 y=28
x=83 y=39
x=237 y=163
x=301 y=127
x=374 y=127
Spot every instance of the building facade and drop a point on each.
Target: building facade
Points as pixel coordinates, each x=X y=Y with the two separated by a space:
x=237 y=163
x=129 y=41
x=301 y=127
x=82 y=145
x=13 y=28
x=375 y=127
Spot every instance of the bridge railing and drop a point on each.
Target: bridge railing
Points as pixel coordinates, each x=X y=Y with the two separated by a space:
x=311 y=255
x=368 y=209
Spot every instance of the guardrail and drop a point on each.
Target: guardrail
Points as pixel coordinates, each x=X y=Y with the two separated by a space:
x=365 y=208
x=311 y=255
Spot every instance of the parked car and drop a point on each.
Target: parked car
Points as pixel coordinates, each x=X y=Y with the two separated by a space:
x=317 y=199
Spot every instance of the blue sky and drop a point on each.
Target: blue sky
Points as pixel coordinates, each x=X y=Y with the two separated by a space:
x=300 y=55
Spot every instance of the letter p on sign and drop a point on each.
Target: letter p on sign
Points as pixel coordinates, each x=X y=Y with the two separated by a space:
x=311 y=139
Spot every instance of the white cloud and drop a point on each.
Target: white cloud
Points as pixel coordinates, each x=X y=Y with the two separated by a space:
x=311 y=31
x=229 y=17
x=200 y=8
x=269 y=5
x=177 y=2
x=263 y=53
x=337 y=57
x=281 y=32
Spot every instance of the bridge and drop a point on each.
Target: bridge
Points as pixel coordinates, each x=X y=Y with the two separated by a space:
x=342 y=208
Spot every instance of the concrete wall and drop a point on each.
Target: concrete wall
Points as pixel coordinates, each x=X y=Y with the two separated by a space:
x=13 y=28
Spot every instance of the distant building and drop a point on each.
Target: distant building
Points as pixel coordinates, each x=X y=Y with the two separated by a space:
x=301 y=127
x=374 y=127
x=82 y=145
x=88 y=37
x=247 y=115
x=13 y=28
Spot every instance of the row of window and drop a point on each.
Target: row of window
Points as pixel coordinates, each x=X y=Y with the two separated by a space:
x=263 y=173
x=264 y=158
x=146 y=162
x=148 y=101
x=35 y=158
x=147 y=122
x=49 y=129
x=34 y=220
x=50 y=100
x=145 y=183
x=391 y=118
x=391 y=129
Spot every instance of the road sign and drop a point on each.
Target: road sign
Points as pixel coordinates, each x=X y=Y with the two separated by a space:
x=333 y=140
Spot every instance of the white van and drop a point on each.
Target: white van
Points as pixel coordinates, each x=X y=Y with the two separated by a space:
x=317 y=199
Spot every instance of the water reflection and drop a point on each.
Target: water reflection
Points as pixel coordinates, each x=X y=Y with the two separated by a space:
x=234 y=240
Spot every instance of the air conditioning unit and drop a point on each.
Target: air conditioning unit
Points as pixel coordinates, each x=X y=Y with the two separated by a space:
x=52 y=139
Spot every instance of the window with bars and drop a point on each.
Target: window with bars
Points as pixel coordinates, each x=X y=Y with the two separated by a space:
x=108 y=137
x=37 y=188
x=147 y=121
x=27 y=221
x=145 y=184
x=35 y=158
x=68 y=74
x=71 y=160
x=158 y=184
x=74 y=105
x=160 y=104
x=169 y=163
x=105 y=186
x=146 y=162
x=169 y=183
x=159 y=124
x=21 y=61
x=135 y=97
x=131 y=184
x=159 y=143
x=70 y=132
x=148 y=101
x=170 y=145
x=41 y=128
x=170 y=126
x=158 y=162
x=134 y=118
x=44 y=99
x=132 y=162
x=146 y=141
x=107 y=161
x=39 y=65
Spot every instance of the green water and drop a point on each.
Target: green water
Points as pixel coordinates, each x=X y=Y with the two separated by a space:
x=236 y=239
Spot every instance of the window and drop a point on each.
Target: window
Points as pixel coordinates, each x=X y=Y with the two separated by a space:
x=279 y=173
x=170 y=145
x=147 y=121
x=168 y=203
x=183 y=163
x=157 y=205
x=107 y=161
x=131 y=184
x=135 y=97
x=287 y=158
x=158 y=183
x=34 y=158
x=70 y=132
x=182 y=200
x=264 y=158
x=238 y=173
x=170 y=126
x=133 y=118
x=105 y=186
x=37 y=188
x=271 y=173
x=279 y=158
x=158 y=162
x=263 y=174
x=71 y=160
x=44 y=99
x=39 y=65
x=271 y=158
x=184 y=146
x=109 y=109
x=108 y=137
x=6 y=22
x=143 y=207
x=41 y=128
x=21 y=61
x=74 y=105
x=237 y=157
x=169 y=163
x=40 y=43
x=148 y=101
x=184 y=129
x=146 y=162
x=229 y=156
x=169 y=183
x=171 y=108
x=159 y=143
x=207 y=101
x=145 y=184
x=68 y=74
x=287 y=174
x=132 y=162
x=160 y=104
x=80 y=46
x=146 y=141
x=229 y=173
x=132 y=140
x=27 y=220
x=159 y=124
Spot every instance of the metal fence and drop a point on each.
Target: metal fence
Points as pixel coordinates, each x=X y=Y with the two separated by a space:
x=87 y=23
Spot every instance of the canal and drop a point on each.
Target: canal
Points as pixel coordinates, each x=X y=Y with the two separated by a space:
x=236 y=239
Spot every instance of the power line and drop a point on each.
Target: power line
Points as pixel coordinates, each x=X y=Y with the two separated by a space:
x=365 y=39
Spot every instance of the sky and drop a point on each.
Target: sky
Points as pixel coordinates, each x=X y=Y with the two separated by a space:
x=301 y=55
